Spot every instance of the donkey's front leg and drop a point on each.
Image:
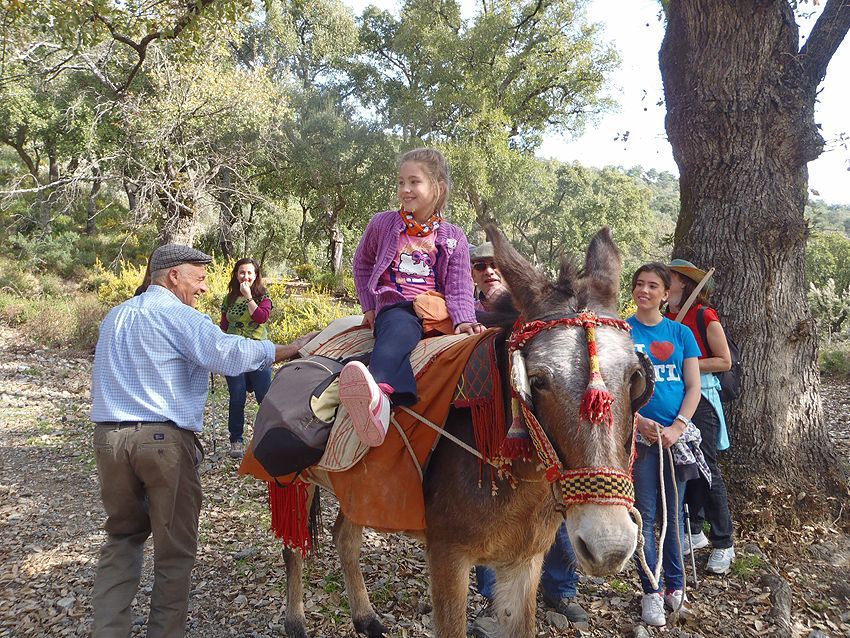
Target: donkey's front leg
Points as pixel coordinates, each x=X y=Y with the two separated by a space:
x=516 y=597
x=295 y=621
x=348 y=538
x=449 y=590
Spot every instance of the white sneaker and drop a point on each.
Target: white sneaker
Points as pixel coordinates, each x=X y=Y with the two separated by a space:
x=698 y=541
x=720 y=560
x=675 y=599
x=368 y=407
x=652 y=610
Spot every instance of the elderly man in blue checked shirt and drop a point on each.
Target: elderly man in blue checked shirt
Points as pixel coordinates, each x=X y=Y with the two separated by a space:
x=149 y=387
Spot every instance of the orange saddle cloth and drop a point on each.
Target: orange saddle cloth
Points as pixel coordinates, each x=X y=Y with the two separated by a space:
x=381 y=487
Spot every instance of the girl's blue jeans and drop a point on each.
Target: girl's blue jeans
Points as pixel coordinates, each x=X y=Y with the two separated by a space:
x=257 y=381
x=648 y=503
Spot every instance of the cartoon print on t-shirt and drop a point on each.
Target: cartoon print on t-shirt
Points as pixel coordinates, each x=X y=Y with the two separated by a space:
x=661 y=351
x=415 y=266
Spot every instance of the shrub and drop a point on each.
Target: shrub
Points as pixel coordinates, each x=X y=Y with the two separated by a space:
x=57 y=322
x=339 y=284
x=295 y=315
x=15 y=278
x=114 y=286
x=56 y=252
x=830 y=308
x=306 y=272
x=834 y=359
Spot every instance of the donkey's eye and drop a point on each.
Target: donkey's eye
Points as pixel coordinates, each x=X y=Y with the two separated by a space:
x=637 y=384
x=538 y=381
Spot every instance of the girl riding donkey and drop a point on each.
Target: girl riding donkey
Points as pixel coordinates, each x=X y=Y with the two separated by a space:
x=404 y=254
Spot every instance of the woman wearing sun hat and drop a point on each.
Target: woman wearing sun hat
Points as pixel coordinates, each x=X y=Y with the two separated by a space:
x=712 y=501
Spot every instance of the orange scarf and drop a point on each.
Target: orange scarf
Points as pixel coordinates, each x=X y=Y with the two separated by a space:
x=415 y=229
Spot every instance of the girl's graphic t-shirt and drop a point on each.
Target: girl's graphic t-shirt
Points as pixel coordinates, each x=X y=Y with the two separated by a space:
x=411 y=272
x=667 y=344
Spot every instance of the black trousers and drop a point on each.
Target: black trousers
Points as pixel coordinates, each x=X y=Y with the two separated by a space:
x=704 y=502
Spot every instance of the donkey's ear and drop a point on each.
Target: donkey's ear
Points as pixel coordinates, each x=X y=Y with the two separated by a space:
x=527 y=283
x=602 y=269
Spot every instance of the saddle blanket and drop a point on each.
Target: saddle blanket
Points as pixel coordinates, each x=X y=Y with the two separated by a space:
x=381 y=487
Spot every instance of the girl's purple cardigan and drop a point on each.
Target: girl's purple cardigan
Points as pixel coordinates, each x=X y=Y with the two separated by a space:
x=378 y=247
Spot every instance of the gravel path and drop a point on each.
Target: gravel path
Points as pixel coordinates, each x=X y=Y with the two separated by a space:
x=50 y=518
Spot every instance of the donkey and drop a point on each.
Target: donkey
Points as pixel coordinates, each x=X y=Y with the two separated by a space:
x=512 y=530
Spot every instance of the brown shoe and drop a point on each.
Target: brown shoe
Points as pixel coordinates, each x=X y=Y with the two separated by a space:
x=237 y=450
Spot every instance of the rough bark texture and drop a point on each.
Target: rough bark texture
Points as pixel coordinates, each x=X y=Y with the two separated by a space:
x=740 y=118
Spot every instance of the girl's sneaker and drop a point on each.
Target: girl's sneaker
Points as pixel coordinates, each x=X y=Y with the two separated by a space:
x=652 y=610
x=368 y=407
x=675 y=599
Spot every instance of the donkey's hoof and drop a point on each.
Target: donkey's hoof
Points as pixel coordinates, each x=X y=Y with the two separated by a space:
x=370 y=626
x=295 y=629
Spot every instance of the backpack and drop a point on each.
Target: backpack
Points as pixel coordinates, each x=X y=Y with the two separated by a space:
x=295 y=418
x=730 y=381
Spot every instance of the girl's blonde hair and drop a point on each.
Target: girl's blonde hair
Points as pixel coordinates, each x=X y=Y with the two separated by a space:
x=436 y=168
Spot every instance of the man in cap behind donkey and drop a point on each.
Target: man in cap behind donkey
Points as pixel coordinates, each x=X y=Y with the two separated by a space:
x=149 y=387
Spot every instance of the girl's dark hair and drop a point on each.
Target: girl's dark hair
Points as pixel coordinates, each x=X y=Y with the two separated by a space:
x=257 y=288
x=688 y=286
x=657 y=268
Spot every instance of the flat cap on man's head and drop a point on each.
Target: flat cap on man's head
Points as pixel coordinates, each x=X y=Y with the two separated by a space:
x=171 y=255
x=482 y=251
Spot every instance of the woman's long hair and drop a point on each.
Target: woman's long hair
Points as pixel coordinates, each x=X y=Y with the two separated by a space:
x=257 y=287
x=688 y=286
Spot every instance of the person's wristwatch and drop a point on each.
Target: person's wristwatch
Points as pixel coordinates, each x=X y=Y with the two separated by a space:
x=683 y=419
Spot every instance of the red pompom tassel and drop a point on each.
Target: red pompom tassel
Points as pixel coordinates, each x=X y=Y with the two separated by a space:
x=596 y=406
x=290 y=519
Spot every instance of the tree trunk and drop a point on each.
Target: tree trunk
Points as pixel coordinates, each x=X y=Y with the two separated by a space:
x=180 y=218
x=740 y=119
x=91 y=204
x=225 y=214
x=335 y=248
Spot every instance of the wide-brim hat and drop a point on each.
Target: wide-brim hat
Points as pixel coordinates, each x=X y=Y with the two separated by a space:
x=686 y=268
x=482 y=251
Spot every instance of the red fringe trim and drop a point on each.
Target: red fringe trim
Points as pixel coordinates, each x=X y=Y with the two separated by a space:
x=596 y=406
x=517 y=448
x=290 y=518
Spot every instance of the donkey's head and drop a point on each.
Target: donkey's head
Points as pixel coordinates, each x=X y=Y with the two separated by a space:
x=558 y=367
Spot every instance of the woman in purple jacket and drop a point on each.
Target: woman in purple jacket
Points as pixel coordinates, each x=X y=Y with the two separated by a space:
x=404 y=254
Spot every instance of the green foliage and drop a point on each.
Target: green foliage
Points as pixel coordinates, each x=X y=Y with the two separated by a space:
x=834 y=359
x=54 y=251
x=830 y=308
x=828 y=257
x=746 y=565
x=306 y=272
x=828 y=217
x=112 y=286
x=337 y=284
x=296 y=314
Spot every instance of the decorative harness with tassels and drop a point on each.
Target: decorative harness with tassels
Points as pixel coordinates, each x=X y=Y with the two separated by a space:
x=602 y=485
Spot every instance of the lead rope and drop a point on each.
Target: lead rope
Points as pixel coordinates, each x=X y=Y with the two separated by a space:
x=654 y=576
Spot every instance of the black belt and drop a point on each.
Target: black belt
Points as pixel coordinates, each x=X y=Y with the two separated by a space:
x=133 y=424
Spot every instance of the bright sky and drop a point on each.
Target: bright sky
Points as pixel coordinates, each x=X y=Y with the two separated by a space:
x=636 y=32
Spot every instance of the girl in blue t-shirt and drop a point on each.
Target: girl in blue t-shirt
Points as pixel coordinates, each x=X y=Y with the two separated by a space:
x=674 y=352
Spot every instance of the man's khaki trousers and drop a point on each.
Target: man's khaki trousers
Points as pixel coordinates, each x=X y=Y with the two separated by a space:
x=149 y=484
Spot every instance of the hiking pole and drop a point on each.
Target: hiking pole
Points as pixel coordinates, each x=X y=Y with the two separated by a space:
x=691 y=545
